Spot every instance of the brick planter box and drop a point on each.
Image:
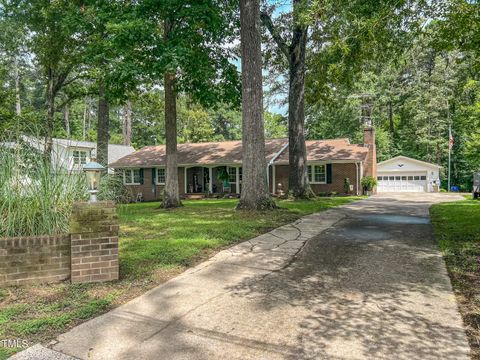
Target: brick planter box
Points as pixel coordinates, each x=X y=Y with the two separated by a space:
x=88 y=254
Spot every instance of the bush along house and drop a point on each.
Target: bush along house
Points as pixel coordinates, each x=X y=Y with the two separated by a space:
x=204 y=167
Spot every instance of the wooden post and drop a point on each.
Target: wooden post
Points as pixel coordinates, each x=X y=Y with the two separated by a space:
x=237 y=179
x=185 y=178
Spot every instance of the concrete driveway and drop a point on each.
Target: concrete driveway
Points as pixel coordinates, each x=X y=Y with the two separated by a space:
x=363 y=281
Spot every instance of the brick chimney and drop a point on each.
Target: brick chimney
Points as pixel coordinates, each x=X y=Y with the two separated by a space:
x=370 y=166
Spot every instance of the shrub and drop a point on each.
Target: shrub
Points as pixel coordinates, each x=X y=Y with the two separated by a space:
x=368 y=183
x=35 y=199
x=346 y=185
x=112 y=188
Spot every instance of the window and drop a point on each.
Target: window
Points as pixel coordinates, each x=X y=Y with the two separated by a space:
x=317 y=174
x=410 y=178
x=416 y=178
x=391 y=178
x=232 y=175
x=397 y=177
x=379 y=178
x=240 y=174
x=161 y=176
x=79 y=157
x=131 y=177
x=423 y=177
x=404 y=178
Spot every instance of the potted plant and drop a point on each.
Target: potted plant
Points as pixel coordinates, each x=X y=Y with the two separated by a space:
x=223 y=176
x=368 y=183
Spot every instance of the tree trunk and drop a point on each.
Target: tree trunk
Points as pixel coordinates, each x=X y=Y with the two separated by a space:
x=127 y=124
x=18 y=104
x=255 y=195
x=390 y=118
x=103 y=126
x=298 y=184
x=50 y=114
x=66 y=119
x=171 y=196
x=86 y=114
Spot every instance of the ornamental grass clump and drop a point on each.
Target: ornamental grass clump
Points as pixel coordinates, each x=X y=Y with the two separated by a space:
x=35 y=198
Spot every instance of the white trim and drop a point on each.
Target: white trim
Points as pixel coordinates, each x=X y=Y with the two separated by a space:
x=237 y=178
x=357 y=173
x=228 y=173
x=210 y=183
x=185 y=178
x=313 y=174
x=131 y=177
x=156 y=175
x=353 y=161
x=409 y=159
x=275 y=157
x=179 y=166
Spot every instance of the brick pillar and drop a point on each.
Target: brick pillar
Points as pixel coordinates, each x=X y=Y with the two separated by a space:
x=94 y=242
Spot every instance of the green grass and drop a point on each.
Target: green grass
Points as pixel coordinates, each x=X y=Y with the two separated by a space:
x=155 y=245
x=154 y=238
x=457 y=228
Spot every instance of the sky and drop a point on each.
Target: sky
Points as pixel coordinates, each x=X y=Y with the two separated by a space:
x=282 y=7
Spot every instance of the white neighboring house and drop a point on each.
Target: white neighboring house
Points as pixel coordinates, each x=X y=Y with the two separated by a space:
x=404 y=174
x=71 y=155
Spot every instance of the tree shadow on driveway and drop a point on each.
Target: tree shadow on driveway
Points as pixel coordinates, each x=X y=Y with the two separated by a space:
x=371 y=291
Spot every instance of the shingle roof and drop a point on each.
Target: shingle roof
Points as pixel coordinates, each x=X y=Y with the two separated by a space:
x=208 y=153
x=230 y=152
x=115 y=152
x=329 y=150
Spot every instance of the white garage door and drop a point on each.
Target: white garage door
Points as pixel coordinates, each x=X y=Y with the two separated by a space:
x=402 y=183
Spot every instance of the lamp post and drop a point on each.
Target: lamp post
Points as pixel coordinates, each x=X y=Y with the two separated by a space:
x=93 y=171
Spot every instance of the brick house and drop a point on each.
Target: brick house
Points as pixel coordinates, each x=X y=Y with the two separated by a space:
x=329 y=163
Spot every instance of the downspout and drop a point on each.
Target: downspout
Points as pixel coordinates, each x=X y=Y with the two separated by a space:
x=361 y=175
x=357 y=176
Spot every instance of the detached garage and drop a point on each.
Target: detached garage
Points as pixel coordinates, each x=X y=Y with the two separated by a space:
x=404 y=174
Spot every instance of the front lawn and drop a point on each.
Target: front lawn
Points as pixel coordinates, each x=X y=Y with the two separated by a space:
x=457 y=228
x=155 y=245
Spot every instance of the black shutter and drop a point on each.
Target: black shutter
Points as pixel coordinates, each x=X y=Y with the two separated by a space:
x=141 y=176
x=153 y=176
x=329 y=173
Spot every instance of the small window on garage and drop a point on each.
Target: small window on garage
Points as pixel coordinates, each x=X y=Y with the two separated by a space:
x=379 y=178
x=410 y=178
x=391 y=178
x=423 y=177
x=416 y=178
x=404 y=178
x=397 y=177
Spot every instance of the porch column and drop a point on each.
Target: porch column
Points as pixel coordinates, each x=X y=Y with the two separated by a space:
x=237 y=179
x=185 y=178
x=210 y=182
x=273 y=180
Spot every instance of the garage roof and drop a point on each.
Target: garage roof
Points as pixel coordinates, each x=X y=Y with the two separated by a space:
x=406 y=158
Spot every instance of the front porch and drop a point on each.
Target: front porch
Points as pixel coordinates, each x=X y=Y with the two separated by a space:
x=204 y=180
